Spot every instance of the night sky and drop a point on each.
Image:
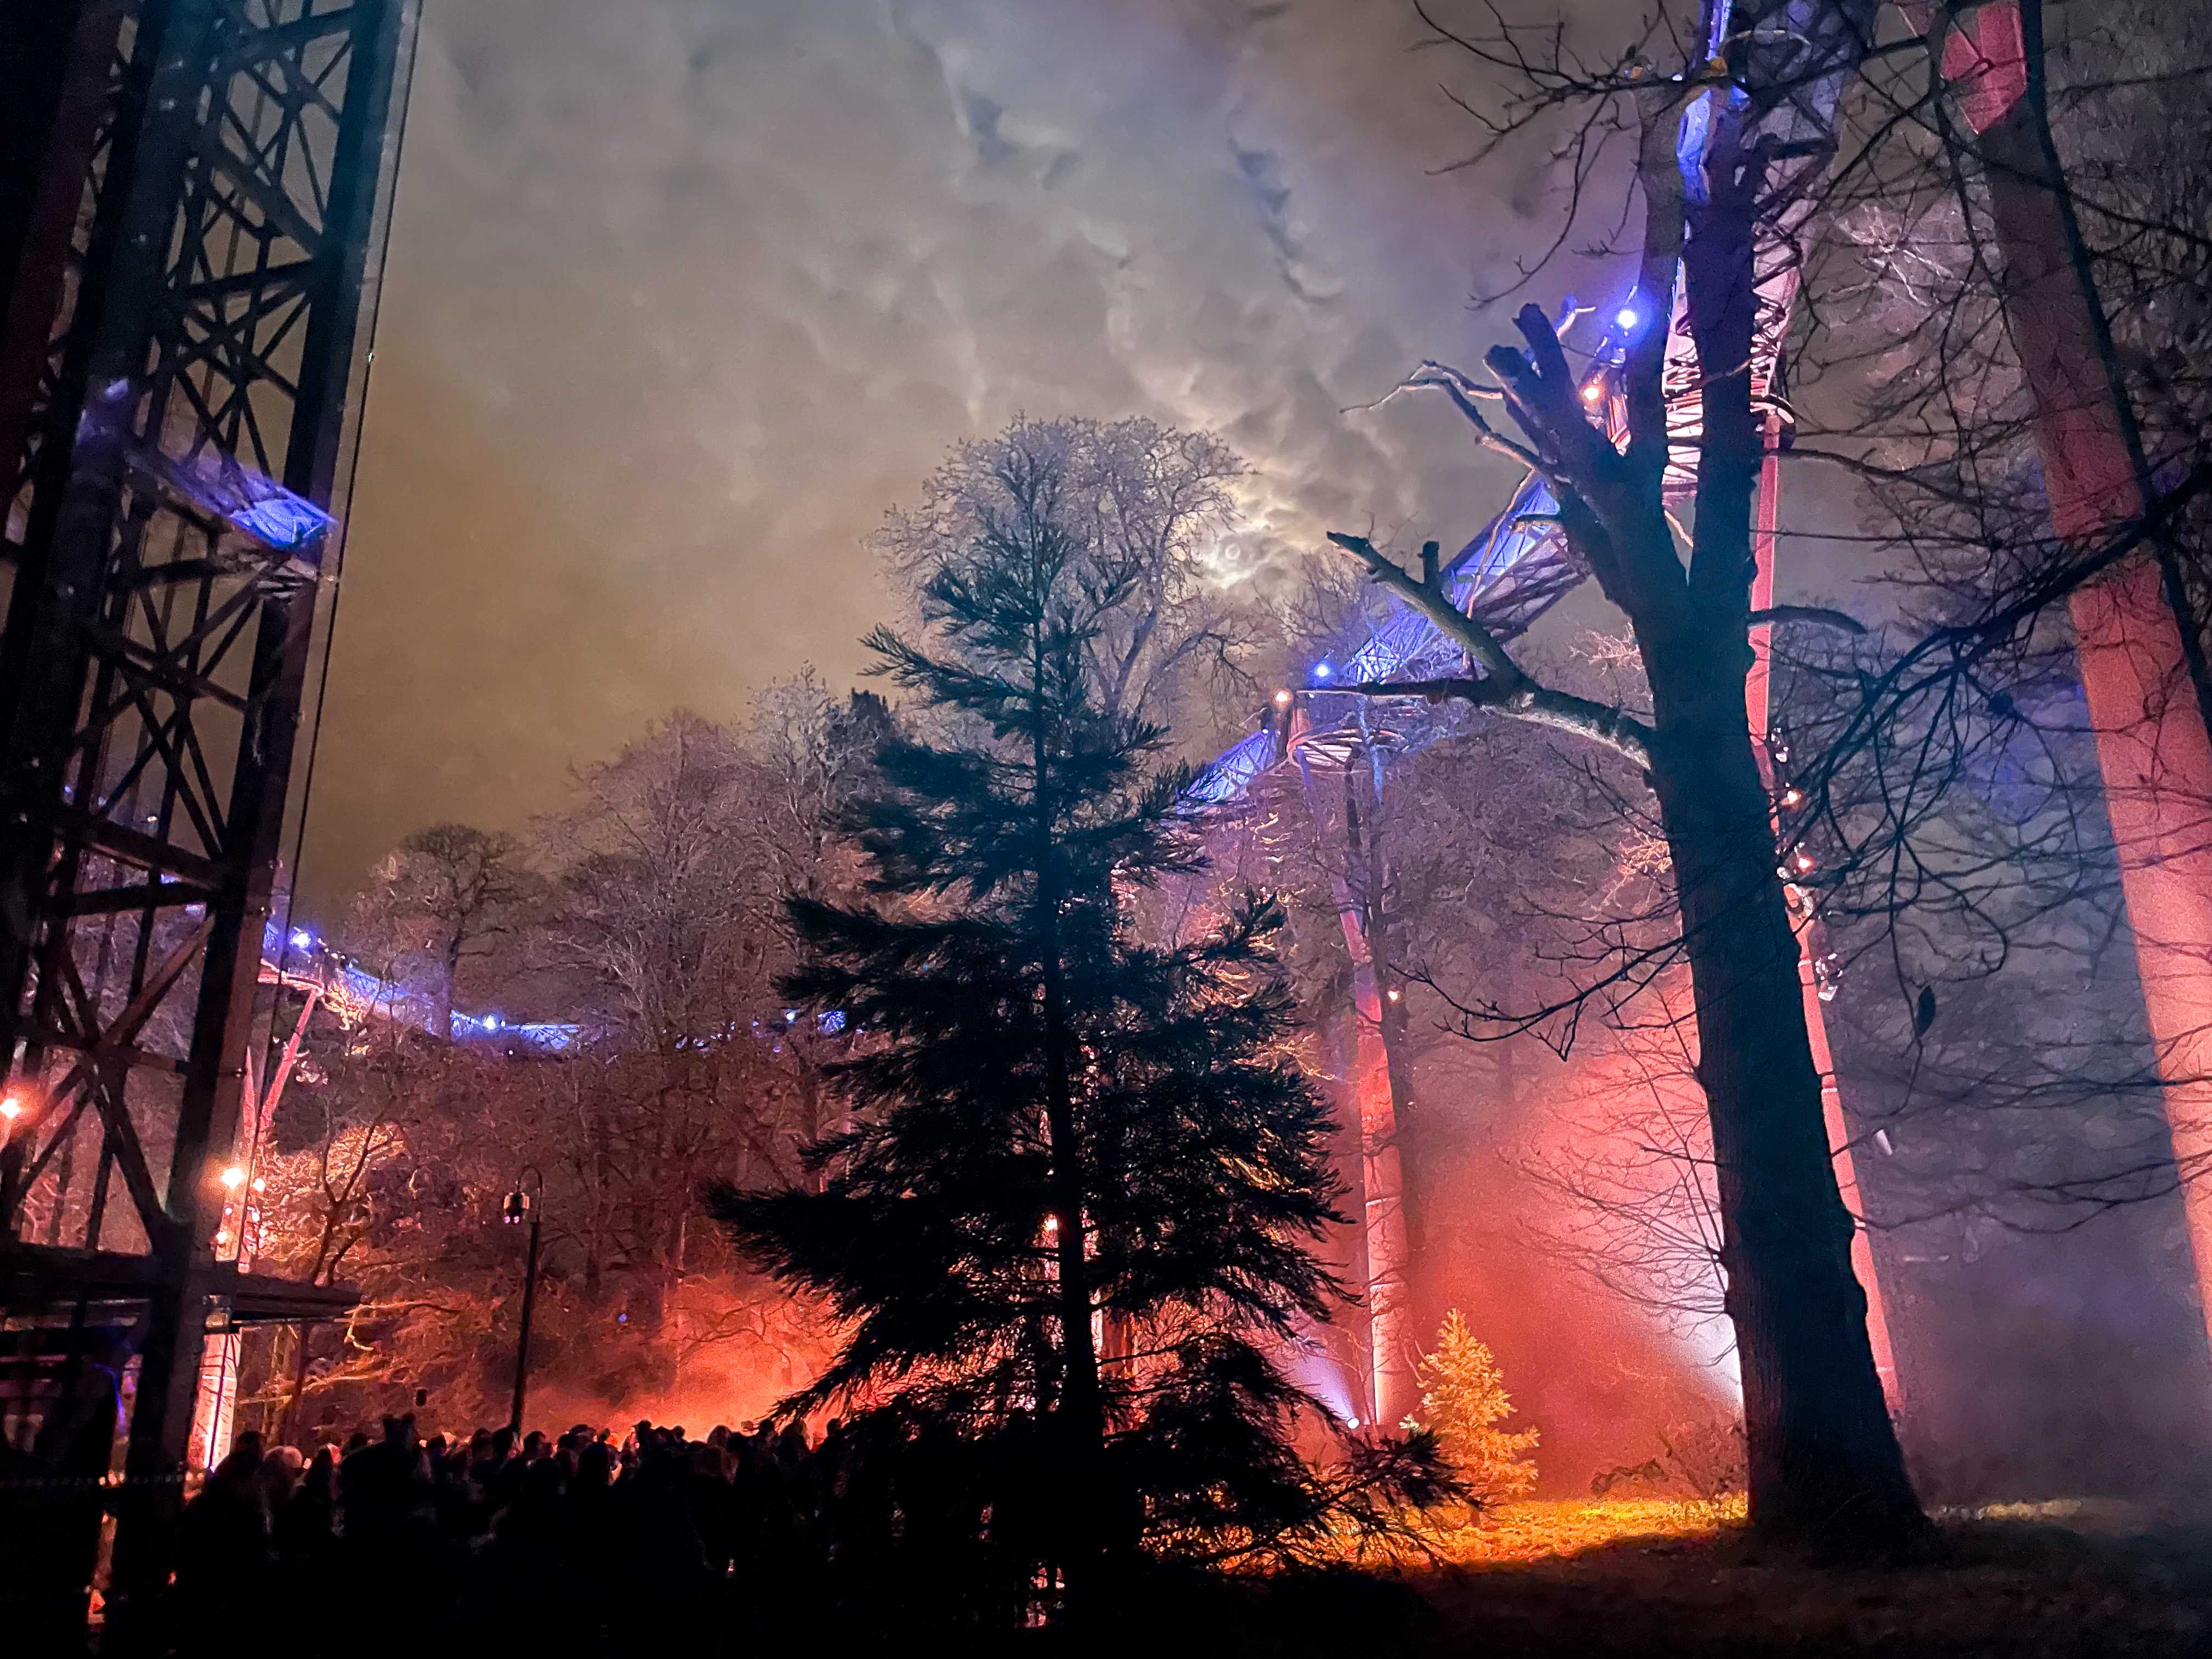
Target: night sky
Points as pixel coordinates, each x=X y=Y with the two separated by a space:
x=682 y=293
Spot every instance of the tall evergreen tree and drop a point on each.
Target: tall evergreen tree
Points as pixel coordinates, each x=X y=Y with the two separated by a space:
x=1075 y=1205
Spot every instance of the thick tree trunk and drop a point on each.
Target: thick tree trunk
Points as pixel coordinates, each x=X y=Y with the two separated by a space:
x=1078 y=1419
x=1825 y=1468
x=1382 y=1089
x=1376 y=922
x=1334 y=1013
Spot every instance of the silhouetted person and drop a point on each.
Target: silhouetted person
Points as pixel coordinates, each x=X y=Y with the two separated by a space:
x=305 y=1530
x=222 y=1551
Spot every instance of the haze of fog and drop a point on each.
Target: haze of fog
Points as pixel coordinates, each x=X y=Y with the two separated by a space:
x=682 y=293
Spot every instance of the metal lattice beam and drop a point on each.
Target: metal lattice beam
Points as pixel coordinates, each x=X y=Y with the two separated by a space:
x=186 y=326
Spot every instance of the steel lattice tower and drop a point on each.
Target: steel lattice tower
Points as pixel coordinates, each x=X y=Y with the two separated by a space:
x=193 y=196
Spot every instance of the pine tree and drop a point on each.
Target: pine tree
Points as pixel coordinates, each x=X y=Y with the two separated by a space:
x=1463 y=1400
x=1075 y=1207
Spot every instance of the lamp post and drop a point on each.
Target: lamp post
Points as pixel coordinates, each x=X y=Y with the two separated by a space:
x=518 y=1208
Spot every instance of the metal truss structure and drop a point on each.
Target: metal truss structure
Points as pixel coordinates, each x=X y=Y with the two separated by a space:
x=192 y=209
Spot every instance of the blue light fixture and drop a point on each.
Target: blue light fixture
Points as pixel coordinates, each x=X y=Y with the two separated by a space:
x=1628 y=316
x=1322 y=670
x=281 y=520
x=302 y=938
x=271 y=514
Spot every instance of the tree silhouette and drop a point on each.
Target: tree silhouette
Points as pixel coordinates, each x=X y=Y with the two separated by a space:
x=1076 y=1206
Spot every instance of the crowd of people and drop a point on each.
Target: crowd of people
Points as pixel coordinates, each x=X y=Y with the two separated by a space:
x=586 y=1543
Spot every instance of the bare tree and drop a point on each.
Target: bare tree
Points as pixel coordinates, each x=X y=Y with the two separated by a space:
x=811 y=753
x=811 y=762
x=1824 y=1464
x=361 y=1181
x=1148 y=506
x=444 y=897
x=666 y=916
x=662 y=913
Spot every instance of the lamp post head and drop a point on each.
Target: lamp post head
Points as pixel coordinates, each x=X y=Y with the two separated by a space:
x=516 y=1209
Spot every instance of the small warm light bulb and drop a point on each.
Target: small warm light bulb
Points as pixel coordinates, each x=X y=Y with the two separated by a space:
x=1051 y=1223
x=1792 y=796
x=233 y=1177
x=1395 y=993
x=1282 y=699
x=1804 y=860
x=1351 y=1422
x=259 y=1185
x=11 y=1109
x=1593 y=391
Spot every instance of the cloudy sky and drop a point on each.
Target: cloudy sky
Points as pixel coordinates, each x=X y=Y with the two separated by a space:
x=684 y=293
